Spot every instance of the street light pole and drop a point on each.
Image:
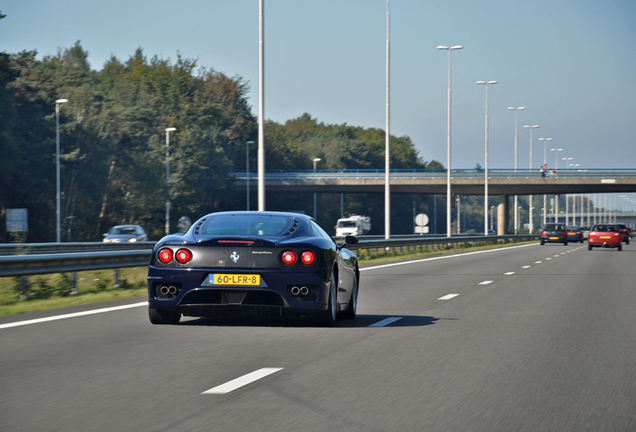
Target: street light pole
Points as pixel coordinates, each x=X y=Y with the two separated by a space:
x=168 y=130
x=315 y=197
x=516 y=110
x=556 y=196
x=486 y=84
x=448 y=139
x=545 y=165
x=58 y=194
x=247 y=172
x=530 y=204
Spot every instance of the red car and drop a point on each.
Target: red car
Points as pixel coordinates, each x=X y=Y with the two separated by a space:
x=604 y=235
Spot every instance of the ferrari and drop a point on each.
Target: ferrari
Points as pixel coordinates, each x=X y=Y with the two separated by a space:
x=260 y=263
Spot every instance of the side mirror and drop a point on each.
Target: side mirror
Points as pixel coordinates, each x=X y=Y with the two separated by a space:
x=351 y=239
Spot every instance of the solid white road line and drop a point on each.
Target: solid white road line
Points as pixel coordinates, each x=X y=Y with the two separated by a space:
x=242 y=381
x=72 y=315
x=444 y=257
x=448 y=297
x=485 y=282
x=385 y=322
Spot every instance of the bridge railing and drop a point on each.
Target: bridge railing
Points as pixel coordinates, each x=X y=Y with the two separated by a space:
x=438 y=173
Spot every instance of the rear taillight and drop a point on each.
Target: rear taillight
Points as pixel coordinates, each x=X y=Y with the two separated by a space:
x=542 y=232
x=308 y=258
x=288 y=257
x=183 y=256
x=165 y=255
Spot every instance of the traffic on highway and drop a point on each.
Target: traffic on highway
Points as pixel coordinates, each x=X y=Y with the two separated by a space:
x=517 y=338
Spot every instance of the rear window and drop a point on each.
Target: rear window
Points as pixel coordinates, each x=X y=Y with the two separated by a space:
x=554 y=227
x=604 y=228
x=247 y=225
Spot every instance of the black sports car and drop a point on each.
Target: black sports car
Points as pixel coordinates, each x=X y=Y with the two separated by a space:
x=268 y=263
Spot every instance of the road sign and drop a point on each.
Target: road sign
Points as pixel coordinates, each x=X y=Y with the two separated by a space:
x=421 y=219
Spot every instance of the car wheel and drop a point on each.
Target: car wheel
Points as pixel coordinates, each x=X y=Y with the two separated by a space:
x=620 y=247
x=589 y=247
x=158 y=316
x=350 y=313
x=627 y=241
x=565 y=243
x=542 y=242
x=328 y=318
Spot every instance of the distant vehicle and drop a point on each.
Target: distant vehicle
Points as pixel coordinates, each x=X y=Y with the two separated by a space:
x=585 y=231
x=554 y=233
x=262 y=263
x=125 y=233
x=604 y=235
x=355 y=225
x=574 y=233
x=625 y=235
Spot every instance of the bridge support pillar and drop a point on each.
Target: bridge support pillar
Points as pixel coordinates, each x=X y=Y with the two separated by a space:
x=502 y=215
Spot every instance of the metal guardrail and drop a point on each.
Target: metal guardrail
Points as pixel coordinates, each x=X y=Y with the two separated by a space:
x=28 y=265
x=65 y=261
x=42 y=248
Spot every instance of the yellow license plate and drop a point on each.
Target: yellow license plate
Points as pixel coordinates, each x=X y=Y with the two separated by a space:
x=606 y=236
x=234 y=279
x=554 y=238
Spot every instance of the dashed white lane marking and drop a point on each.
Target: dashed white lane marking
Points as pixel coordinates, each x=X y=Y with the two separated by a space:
x=509 y=273
x=385 y=322
x=556 y=256
x=485 y=282
x=548 y=259
x=526 y=267
x=448 y=297
x=72 y=315
x=538 y=262
x=242 y=381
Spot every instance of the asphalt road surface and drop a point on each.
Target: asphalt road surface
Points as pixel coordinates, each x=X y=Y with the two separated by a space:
x=526 y=338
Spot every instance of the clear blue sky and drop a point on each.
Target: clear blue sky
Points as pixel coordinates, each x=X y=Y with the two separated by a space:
x=572 y=63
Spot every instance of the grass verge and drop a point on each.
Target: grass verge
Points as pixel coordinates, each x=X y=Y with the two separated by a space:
x=52 y=291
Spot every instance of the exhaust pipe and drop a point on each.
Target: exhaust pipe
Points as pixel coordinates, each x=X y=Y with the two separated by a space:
x=164 y=290
x=304 y=291
x=172 y=290
x=295 y=290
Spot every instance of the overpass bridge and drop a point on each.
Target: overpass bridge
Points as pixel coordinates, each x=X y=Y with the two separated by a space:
x=501 y=182
x=463 y=182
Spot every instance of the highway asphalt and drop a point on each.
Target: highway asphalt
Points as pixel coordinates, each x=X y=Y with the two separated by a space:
x=525 y=338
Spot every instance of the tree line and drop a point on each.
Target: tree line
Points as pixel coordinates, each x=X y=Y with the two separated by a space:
x=113 y=147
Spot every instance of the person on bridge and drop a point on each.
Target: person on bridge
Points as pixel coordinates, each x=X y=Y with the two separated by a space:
x=543 y=170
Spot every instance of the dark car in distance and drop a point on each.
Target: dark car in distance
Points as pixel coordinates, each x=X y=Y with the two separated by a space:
x=625 y=234
x=262 y=263
x=554 y=233
x=125 y=233
x=575 y=234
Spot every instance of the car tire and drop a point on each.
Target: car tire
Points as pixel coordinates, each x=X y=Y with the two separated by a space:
x=542 y=242
x=627 y=241
x=589 y=247
x=158 y=316
x=565 y=243
x=328 y=318
x=350 y=313
x=620 y=247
